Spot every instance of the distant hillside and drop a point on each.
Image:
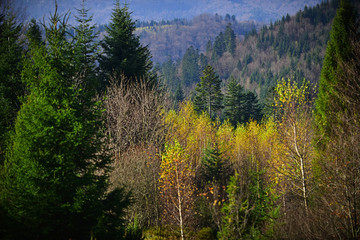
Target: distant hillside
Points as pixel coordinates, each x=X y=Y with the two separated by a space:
x=293 y=47
x=170 y=39
x=244 y=10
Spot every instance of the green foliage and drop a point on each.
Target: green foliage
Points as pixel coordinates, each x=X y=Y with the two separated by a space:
x=122 y=50
x=205 y=233
x=190 y=68
x=56 y=169
x=208 y=92
x=11 y=88
x=248 y=215
x=219 y=46
x=229 y=38
x=86 y=50
x=234 y=102
x=253 y=110
x=34 y=32
x=213 y=167
x=338 y=52
x=133 y=231
x=168 y=74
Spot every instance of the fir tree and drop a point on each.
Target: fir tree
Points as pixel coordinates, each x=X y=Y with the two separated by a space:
x=55 y=177
x=11 y=88
x=339 y=51
x=123 y=52
x=208 y=92
x=34 y=32
x=234 y=102
x=86 y=49
x=229 y=37
x=190 y=67
x=253 y=109
x=219 y=46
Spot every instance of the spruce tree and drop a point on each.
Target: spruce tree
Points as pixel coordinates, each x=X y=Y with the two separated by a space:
x=34 y=32
x=339 y=51
x=122 y=50
x=219 y=46
x=11 y=88
x=229 y=37
x=55 y=178
x=234 y=102
x=253 y=109
x=208 y=92
x=190 y=67
x=86 y=49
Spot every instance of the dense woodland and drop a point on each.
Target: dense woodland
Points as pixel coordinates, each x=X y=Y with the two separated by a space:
x=292 y=47
x=98 y=143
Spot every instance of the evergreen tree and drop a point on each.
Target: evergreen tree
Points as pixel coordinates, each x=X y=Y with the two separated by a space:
x=86 y=49
x=168 y=73
x=234 y=102
x=11 y=88
x=123 y=52
x=253 y=109
x=208 y=92
x=219 y=46
x=229 y=37
x=190 y=67
x=179 y=94
x=34 y=32
x=339 y=50
x=55 y=178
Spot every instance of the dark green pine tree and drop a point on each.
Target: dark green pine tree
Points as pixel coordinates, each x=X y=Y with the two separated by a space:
x=234 y=102
x=253 y=109
x=179 y=94
x=86 y=50
x=219 y=47
x=34 y=32
x=11 y=88
x=122 y=50
x=208 y=92
x=55 y=178
x=214 y=168
x=339 y=50
x=168 y=73
x=190 y=67
x=230 y=38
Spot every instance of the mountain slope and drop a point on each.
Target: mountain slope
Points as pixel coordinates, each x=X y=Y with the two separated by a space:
x=293 y=47
x=257 y=10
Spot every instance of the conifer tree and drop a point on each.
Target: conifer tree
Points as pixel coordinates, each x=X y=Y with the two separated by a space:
x=86 y=49
x=123 y=52
x=11 y=88
x=339 y=51
x=337 y=126
x=253 y=109
x=208 y=92
x=34 y=32
x=219 y=46
x=190 y=67
x=179 y=95
x=55 y=178
x=229 y=37
x=234 y=102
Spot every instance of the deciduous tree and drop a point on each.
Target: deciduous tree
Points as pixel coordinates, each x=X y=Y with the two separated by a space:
x=177 y=186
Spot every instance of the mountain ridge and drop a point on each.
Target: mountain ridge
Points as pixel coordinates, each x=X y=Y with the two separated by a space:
x=146 y=10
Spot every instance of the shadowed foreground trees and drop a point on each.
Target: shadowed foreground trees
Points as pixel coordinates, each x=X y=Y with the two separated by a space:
x=57 y=166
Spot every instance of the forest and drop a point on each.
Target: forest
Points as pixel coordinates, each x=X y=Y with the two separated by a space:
x=99 y=142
